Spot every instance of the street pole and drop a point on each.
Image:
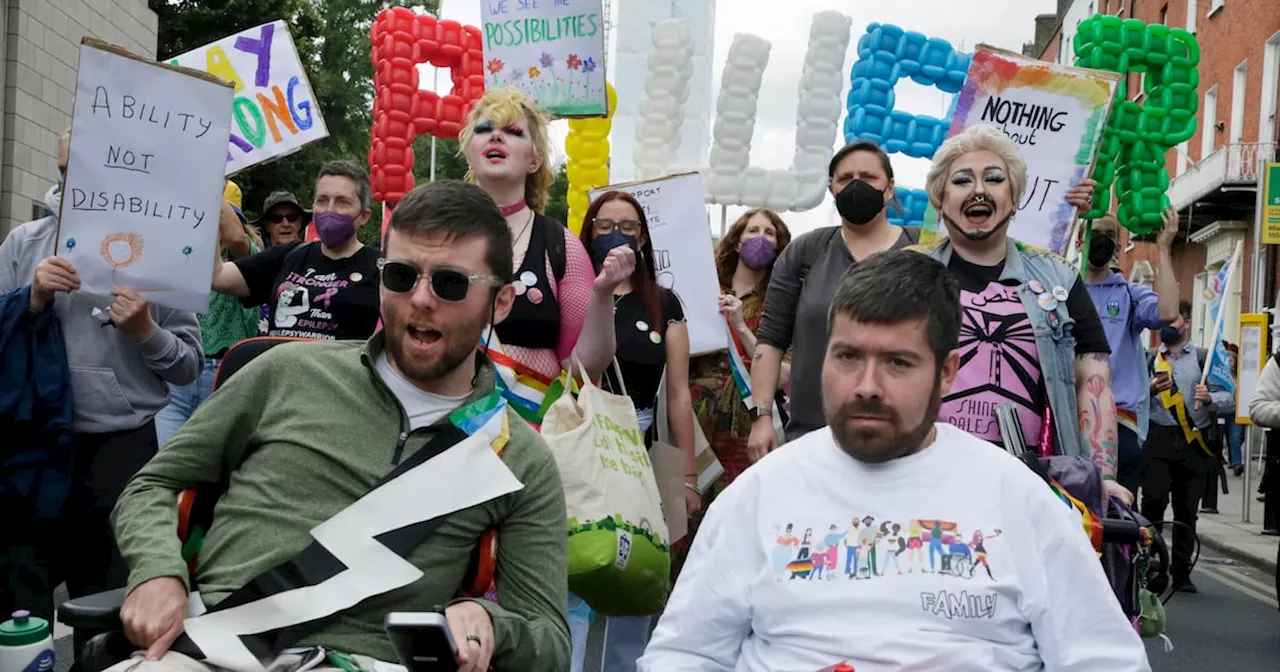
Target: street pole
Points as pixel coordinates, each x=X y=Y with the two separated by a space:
x=724 y=218
x=1253 y=433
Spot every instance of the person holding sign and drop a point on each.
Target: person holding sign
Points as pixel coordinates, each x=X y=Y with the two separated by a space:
x=561 y=303
x=326 y=289
x=123 y=352
x=652 y=338
x=805 y=279
x=744 y=264
x=1030 y=336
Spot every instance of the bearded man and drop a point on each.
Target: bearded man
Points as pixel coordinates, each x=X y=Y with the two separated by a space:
x=1017 y=586
x=1030 y=336
x=329 y=494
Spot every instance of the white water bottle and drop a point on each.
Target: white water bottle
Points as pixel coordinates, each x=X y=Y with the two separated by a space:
x=26 y=644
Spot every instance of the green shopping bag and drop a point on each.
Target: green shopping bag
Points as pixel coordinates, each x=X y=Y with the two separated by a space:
x=619 y=548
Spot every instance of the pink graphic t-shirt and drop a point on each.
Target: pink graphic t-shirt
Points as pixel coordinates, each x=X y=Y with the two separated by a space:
x=999 y=364
x=999 y=361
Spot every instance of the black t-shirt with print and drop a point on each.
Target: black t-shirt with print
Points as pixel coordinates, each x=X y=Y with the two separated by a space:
x=1088 y=332
x=309 y=295
x=642 y=351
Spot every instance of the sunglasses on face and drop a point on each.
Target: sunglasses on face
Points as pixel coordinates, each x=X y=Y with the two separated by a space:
x=284 y=216
x=630 y=227
x=448 y=284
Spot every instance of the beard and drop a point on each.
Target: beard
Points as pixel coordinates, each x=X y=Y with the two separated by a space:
x=884 y=441
x=459 y=340
x=976 y=236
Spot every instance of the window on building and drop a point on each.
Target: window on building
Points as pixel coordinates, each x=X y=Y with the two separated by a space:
x=1239 y=80
x=1164 y=15
x=1270 y=86
x=1191 y=16
x=1215 y=5
x=1210 y=119
x=1181 y=159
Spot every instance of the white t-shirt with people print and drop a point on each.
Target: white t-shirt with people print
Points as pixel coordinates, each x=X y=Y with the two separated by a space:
x=956 y=558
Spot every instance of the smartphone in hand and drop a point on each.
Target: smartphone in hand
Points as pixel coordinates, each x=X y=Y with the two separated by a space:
x=422 y=641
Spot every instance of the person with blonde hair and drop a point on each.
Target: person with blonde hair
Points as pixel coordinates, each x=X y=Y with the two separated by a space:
x=1030 y=336
x=744 y=265
x=561 y=304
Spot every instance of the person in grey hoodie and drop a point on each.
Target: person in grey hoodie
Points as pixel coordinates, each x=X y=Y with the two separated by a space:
x=122 y=354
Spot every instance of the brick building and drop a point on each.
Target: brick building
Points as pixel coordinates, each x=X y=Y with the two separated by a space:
x=1214 y=176
x=41 y=43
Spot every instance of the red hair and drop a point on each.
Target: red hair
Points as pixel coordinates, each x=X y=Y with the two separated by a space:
x=644 y=279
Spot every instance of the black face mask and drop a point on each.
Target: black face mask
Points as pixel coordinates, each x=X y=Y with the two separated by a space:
x=859 y=202
x=1170 y=335
x=1101 y=250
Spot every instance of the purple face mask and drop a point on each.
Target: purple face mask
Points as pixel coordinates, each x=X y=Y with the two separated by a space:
x=758 y=253
x=334 y=228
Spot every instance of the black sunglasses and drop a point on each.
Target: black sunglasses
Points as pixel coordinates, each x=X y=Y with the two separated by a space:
x=280 y=217
x=448 y=284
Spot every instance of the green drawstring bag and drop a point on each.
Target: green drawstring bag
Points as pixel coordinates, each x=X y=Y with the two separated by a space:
x=1151 y=622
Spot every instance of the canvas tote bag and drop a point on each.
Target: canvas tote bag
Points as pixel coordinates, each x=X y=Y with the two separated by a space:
x=619 y=548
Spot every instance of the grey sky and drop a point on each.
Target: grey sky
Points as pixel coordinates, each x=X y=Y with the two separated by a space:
x=1001 y=23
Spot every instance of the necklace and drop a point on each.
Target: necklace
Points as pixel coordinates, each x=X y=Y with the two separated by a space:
x=515 y=242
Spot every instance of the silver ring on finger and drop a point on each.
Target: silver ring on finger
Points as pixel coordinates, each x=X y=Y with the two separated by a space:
x=474 y=638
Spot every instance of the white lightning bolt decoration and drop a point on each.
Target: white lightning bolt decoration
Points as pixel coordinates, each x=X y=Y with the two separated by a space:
x=434 y=488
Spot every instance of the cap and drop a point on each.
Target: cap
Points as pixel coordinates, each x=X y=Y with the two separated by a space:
x=234 y=198
x=24 y=629
x=282 y=198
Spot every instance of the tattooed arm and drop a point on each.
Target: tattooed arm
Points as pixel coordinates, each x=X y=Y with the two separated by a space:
x=1097 y=410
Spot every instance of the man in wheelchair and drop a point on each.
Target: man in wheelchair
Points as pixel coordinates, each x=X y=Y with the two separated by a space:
x=974 y=563
x=357 y=479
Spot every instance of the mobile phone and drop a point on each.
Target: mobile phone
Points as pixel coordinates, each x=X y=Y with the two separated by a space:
x=422 y=641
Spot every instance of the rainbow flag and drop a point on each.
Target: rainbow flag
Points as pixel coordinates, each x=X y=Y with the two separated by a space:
x=738 y=366
x=526 y=390
x=1092 y=524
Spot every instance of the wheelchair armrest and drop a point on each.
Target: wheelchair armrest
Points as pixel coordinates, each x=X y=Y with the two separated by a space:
x=97 y=612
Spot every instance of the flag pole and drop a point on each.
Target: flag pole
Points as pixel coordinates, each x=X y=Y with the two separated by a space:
x=1222 y=314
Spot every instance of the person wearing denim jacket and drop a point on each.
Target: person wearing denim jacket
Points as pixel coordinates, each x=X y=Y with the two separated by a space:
x=1030 y=333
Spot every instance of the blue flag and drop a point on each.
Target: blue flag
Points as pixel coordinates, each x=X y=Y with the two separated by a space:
x=1218 y=364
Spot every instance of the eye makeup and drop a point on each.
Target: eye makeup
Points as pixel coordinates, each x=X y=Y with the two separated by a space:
x=485 y=126
x=514 y=130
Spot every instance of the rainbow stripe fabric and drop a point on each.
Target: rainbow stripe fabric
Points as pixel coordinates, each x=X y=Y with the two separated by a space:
x=741 y=375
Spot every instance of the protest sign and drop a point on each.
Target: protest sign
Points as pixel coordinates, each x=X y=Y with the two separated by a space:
x=1056 y=115
x=675 y=208
x=144 y=177
x=552 y=50
x=275 y=110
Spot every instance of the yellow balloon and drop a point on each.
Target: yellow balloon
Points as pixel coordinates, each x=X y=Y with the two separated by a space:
x=587 y=148
x=577 y=210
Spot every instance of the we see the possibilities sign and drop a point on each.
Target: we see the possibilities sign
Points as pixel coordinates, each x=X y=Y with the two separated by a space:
x=144 y=177
x=1056 y=115
x=552 y=50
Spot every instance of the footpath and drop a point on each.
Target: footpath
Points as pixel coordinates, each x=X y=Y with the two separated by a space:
x=1224 y=533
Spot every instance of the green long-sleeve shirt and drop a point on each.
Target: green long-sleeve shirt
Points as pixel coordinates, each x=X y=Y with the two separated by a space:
x=301 y=433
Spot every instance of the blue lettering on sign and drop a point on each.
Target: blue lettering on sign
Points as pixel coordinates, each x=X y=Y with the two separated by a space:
x=497 y=8
x=886 y=54
x=304 y=106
